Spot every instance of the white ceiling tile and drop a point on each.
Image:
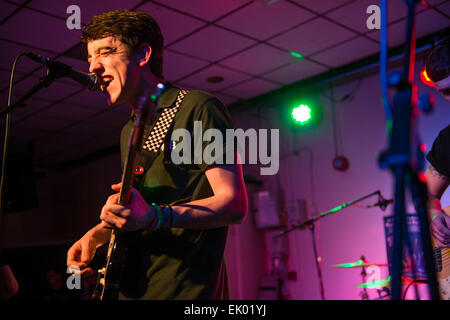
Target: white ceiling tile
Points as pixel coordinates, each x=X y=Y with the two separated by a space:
x=263 y=20
x=66 y=110
x=430 y=21
x=9 y=53
x=251 y=88
x=108 y=118
x=347 y=52
x=6 y=9
x=96 y=100
x=37 y=123
x=258 y=59
x=295 y=72
x=173 y=25
x=312 y=37
x=205 y=9
x=39 y=30
x=84 y=130
x=354 y=15
x=321 y=6
x=88 y=8
x=198 y=80
x=56 y=91
x=29 y=108
x=177 y=65
x=427 y=22
x=212 y=43
x=396 y=34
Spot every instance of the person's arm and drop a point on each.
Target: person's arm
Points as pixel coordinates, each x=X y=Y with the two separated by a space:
x=437 y=183
x=8 y=282
x=82 y=251
x=228 y=205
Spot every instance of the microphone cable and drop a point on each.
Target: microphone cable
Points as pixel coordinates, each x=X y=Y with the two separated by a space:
x=7 y=131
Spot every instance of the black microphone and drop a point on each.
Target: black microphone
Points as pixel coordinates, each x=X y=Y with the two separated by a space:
x=90 y=80
x=383 y=203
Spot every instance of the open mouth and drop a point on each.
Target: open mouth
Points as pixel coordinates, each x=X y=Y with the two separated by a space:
x=106 y=80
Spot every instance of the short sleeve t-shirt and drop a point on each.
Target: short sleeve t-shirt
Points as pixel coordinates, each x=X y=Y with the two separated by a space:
x=179 y=263
x=439 y=155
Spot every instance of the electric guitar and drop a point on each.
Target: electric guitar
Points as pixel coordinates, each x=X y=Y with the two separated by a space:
x=108 y=281
x=442 y=261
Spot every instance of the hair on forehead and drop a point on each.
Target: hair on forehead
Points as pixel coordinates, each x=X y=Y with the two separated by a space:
x=132 y=28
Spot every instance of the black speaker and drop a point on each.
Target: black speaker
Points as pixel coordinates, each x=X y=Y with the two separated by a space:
x=20 y=191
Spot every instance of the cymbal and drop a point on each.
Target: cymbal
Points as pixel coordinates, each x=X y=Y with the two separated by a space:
x=360 y=263
x=387 y=283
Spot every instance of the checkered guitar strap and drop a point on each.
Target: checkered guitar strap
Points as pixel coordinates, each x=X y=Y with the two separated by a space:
x=155 y=137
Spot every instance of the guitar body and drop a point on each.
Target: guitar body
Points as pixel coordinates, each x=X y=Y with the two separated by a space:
x=442 y=260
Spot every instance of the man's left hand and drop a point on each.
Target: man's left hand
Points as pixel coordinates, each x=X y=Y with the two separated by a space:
x=133 y=216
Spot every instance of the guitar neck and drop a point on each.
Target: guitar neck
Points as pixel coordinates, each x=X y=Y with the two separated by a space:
x=146 y=111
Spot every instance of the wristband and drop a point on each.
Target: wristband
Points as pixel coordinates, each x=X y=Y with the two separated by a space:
x=434 y=217
x=157 y=217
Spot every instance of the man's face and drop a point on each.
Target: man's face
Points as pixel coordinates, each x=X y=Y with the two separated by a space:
x=443 y=86
x=109 y=58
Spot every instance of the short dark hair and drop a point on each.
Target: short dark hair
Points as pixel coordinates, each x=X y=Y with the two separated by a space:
x=132 y=28
x=437 y=63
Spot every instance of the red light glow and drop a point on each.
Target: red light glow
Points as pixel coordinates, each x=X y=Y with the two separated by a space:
x=425 y=79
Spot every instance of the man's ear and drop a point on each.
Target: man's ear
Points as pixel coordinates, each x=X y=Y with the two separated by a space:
x=144 y=54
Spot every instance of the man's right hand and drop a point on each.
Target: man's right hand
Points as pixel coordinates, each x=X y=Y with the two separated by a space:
x=82 y=251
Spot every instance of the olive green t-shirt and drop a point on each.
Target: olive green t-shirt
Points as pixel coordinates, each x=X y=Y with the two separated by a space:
x=178 y=263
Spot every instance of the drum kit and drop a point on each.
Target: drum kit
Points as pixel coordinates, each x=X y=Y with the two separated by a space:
x=382 y=286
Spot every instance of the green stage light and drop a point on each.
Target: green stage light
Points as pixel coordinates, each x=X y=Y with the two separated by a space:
x=301 y=114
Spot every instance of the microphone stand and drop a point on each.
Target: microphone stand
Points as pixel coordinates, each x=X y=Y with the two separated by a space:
x=310 y=225
x=406 y=162
x=44 y=82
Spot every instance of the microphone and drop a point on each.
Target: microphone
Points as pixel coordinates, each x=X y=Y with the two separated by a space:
x=383 y=203
x=91 y=80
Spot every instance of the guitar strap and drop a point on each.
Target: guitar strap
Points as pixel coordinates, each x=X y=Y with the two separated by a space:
x=156 y=135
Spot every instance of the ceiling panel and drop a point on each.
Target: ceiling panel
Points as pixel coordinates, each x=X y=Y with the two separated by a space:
x=212 y=44
x=321 y=6
x=347 y=52
x=87 y=8
x=95 y=100
x=68 y=111
x=263 y=20
x=310 y=37
x=56 y=91
x=205 y=9
x=354 y=14
x=296 y=71
x=174 y=25
x=427 y=21
x=251 y=88
x=198 y=79
x=248 y=43
x=6 y=9
x=11 y=50
x=259 y=59
x=39 y=30
x=177 y=65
